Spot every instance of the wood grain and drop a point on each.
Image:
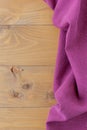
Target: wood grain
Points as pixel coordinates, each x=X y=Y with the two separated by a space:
x=28 y=48
x=28 y=45
x=22 y=12
x=26 y=86
x=23 y=118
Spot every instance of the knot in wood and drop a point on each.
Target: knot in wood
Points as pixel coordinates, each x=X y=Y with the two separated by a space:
x=27 y=86
x=50 y=94
x=16 y=94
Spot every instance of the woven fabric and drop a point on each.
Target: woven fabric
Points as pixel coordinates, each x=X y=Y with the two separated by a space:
x=70 y=78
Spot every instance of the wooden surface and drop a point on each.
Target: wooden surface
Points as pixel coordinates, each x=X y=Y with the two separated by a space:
x=28 y=49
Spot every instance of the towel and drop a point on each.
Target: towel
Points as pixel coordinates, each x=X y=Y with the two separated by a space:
x=70 y=76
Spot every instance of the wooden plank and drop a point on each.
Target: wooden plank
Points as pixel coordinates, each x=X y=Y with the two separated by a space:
x=28 y=45
x=22 y=86
x=15 y=12
x=23 y=119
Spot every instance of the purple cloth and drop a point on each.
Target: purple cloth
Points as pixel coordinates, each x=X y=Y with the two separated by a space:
x=70 y=78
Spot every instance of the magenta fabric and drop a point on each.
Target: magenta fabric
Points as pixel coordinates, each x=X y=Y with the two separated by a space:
x=70 y=78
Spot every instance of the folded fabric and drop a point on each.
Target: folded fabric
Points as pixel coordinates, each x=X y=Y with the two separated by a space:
x=70 y=76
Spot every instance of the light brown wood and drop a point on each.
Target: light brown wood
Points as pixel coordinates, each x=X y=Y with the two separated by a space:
x=28 y=49
x=16 y=12
x=26 y=86
x=28 y=45
x=23 y=118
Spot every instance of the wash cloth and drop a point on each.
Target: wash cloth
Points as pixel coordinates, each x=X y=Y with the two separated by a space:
x=70 y=75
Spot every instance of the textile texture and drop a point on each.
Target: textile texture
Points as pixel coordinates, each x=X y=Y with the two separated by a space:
x=70 y=76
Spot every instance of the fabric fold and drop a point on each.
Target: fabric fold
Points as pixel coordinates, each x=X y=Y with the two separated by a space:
x=70 y=77
x=51 y=3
